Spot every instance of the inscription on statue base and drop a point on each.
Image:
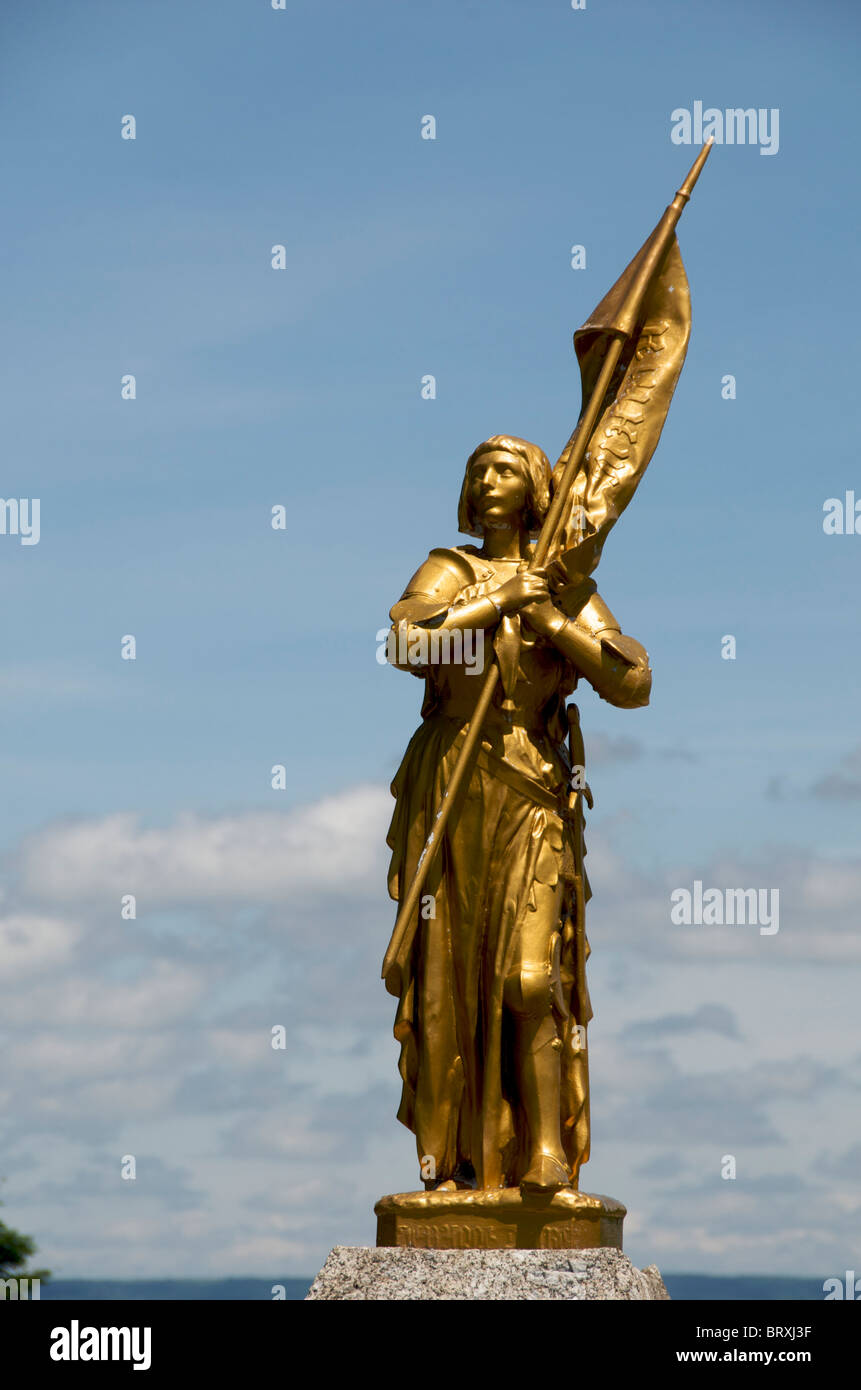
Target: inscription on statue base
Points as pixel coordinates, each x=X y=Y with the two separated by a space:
x=500 y=1219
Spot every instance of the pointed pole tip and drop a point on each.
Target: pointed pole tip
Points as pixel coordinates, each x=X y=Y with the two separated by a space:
x=696 y=168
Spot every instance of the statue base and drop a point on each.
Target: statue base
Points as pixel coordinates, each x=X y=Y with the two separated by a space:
x=387 y=1274
x=500 y=1219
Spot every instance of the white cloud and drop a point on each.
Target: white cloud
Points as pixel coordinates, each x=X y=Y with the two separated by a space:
x=336 y=844
x=59 y=1058
x=163 y=996
x=30 y=944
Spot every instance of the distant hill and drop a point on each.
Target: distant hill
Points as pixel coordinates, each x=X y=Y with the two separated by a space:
x=172 y=1290
x=720 y=1287
x=743 y=1286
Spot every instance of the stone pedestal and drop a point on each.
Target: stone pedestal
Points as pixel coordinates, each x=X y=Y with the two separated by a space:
x=501 y=1219
x=386 y=1273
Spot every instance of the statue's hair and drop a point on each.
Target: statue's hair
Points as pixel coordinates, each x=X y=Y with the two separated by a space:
x=536 y=469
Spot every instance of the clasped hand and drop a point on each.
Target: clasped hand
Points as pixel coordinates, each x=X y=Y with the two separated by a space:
x=528 y=594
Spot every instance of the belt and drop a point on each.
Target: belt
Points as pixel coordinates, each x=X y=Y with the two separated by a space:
x=520 y=782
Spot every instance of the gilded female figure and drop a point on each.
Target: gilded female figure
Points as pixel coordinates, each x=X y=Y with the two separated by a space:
x=492 y=1007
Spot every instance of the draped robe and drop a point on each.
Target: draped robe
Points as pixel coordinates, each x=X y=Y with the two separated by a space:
x=512 y=835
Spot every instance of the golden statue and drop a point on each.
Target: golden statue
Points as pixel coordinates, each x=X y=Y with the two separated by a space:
x=488 y=956
x=492 y=1006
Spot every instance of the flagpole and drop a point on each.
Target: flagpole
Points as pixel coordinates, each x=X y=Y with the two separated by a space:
x=624 y=325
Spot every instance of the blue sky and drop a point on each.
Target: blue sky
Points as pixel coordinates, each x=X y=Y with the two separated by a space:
x=302 y=387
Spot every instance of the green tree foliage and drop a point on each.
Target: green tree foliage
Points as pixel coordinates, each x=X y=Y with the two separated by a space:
x=15 y=1251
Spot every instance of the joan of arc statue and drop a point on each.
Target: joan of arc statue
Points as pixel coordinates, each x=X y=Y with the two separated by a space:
x=493 y=1004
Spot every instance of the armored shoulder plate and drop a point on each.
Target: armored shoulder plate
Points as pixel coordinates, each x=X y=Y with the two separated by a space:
x=433 y=587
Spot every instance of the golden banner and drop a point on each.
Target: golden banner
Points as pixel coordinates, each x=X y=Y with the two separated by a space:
x=636 y=404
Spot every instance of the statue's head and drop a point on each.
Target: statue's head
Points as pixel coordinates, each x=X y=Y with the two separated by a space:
x=506 y=480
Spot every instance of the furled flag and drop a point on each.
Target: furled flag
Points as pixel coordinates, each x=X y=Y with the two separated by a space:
x=635 y=407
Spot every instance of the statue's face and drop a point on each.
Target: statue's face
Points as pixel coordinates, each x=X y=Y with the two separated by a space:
x=498 y=489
